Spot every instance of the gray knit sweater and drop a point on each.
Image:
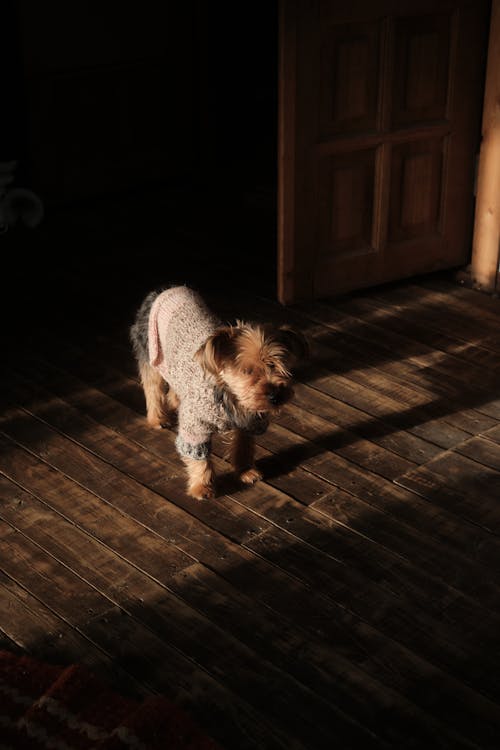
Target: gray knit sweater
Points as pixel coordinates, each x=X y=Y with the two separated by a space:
x=179 y=323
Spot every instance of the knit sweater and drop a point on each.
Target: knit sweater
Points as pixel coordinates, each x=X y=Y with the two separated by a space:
x=179 y=323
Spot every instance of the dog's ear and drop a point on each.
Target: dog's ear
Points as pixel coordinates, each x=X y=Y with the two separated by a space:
x=217 y=350
x=295 y=342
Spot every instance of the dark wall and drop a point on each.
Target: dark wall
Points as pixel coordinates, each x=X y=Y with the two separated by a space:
x=115 y=95
x=13 y=117
x=241 y=87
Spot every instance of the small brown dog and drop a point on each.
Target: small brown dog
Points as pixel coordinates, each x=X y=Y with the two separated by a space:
x=216 y=378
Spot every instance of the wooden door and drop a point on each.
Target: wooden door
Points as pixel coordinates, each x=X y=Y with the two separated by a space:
x=380 y=104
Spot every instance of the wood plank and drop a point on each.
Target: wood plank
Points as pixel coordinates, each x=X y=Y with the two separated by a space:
x=470 y=299
x=391 y=617
x=7 y=644
x=447 y=326
x=159 y=611
x=493 y=434
x=374 y=429
x=475 y=481
x=349 y=445
x=24 y=472
x=403 y=444
x=323 y=434
x=389 y=410
x=393 y=376
x=446 y=374
x=378 y=524
x=454 y=323
x=135 y=646
x=288 y=515
x=451 y=694
x=77 y=604
x=305 y=526
x=450 y=418
x=435 y=560
x=427 y=293
x=290 y=447
x=265 y=566
x=339 y=353
x=34 y=628
x=434 y=483
x=483 y=451
x=337 y=627
x=380 y=318
x=366 y=361
x=79 y=556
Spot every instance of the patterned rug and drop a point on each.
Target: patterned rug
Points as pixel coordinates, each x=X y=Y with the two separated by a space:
x=42 y=706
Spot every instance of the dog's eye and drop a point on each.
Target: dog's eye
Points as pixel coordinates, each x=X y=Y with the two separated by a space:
x=248 y=371
x=271 y=365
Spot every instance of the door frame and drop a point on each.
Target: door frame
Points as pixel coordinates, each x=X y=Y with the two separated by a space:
x=483 y=273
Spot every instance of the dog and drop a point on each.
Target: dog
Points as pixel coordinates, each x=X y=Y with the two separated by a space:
x=213 y=378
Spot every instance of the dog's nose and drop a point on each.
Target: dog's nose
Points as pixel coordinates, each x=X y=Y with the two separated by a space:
x=275 y=397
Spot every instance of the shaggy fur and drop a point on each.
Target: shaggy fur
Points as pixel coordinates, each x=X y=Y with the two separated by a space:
x=214 y=378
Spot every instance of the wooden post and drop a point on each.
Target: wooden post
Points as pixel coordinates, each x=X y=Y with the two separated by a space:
x=486 y=241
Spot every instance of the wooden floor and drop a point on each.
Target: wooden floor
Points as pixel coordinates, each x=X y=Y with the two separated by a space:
x=352 y=599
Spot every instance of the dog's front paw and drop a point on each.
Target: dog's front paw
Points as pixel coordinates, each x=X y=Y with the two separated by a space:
x=251 y=475
x=202 y=491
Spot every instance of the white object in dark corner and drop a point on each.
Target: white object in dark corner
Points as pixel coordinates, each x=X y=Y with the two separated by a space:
x=17 y=204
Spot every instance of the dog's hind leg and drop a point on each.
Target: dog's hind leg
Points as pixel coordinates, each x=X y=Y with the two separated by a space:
x=155 y=391
x=173 y=402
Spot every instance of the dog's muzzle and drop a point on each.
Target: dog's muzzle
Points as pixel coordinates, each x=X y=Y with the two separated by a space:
x=279 y=395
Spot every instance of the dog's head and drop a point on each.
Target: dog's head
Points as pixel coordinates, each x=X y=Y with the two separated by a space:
x=254 y=362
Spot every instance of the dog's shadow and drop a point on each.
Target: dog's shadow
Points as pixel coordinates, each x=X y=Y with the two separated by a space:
x=228 y=483
x=277 y=464
x=271 y=466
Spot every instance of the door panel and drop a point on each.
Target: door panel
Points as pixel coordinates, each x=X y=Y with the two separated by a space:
x=346 y=203
x=380 y=107
x=348 y=78
x=421 y=65
x=416 y=190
